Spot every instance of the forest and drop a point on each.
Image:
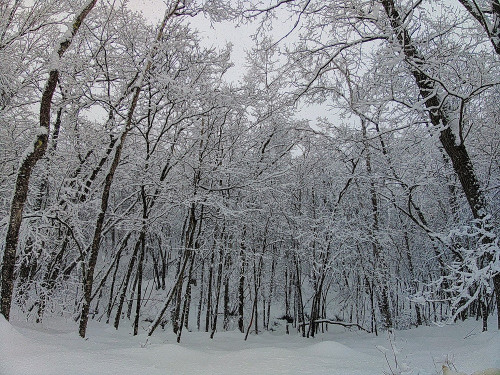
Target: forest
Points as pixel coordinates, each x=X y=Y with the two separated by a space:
x=350 y=176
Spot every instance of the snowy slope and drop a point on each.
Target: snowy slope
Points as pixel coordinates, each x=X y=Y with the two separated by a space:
x=37 y=351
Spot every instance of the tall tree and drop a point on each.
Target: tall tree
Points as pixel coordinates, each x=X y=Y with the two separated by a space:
x=32 y=156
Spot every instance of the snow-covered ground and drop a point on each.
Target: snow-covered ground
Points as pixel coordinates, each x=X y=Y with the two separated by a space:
x=42 y=350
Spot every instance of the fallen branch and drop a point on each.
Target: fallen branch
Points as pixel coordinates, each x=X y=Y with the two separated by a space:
x=343 y=324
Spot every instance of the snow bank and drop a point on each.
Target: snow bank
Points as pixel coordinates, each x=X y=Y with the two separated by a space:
x=10 y=339
x=38 y=351
x=13 y=347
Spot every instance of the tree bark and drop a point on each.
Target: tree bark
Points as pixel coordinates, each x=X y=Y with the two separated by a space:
x=380 y=266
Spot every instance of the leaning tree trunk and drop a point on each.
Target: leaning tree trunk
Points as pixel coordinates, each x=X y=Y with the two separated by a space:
x=94 y=251
x=29 y=162
x=492 y=29
x=112 y=297
x=29 y=263
x=440 y=118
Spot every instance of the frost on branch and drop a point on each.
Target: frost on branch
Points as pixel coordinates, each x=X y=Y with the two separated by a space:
x=477 y=261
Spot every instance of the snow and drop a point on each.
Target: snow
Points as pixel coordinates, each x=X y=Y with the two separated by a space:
x=55 y=348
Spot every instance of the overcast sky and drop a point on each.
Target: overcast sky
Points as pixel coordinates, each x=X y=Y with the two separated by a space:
x=216 y=35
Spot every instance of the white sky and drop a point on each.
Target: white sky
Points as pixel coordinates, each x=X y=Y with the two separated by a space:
x=216 y=35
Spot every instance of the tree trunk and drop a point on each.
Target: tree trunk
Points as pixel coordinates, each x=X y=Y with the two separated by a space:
x=94 y=251
x=217 y=291
x=27 y=165
x=440 y=118
x=125 y=285
x=29 y=262
x=226 y=301
x=132 y=296
x=241 y=290
x=271 y=288
x=287 y=300
x=89 y=277
x=187 y=302
x=140 y=262
x=111 y=291
x=202 y=288
x=209 y=292
x=252 y=317
x=298 y=298
x=178 y=283
x=380 y=266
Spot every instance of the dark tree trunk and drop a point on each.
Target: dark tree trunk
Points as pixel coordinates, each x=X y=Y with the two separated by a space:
x=202 y=288
x=252 y=317
x=188 y=234
x=89 y=275
x=111 y=291
x=217 y=291
x=271 y=288
x=94 y=250
x=29 y=262
x=24 y=173
x=496 y=283
x=184 y=320
x=189 y=288
x=163 y=267
x=178 y=284
x=241 y=290
x=440 y=118
x=132 y=296
x=298 y=298
x=380 y=266
x=209 y=292
x=140 y=262
x=226 y=302
x=287 y=300
x=50 y=277
x=125 y=284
